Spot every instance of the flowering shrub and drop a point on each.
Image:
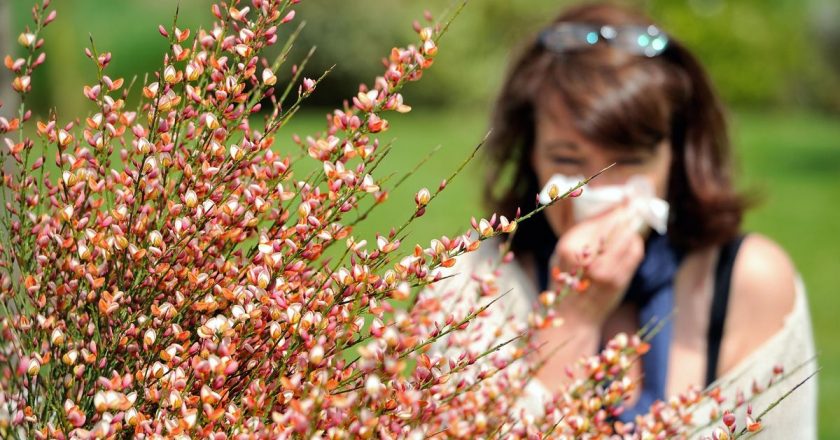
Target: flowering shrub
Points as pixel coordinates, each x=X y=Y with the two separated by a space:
x=178 y=279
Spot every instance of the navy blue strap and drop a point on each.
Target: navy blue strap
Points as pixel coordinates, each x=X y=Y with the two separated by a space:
x=542 y=254
x=720 y=302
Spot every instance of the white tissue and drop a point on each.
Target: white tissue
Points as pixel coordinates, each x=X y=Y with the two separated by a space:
x=646 y=209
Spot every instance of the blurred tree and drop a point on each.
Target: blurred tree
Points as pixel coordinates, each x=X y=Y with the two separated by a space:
x=825 y=19
x=759 y=53
x=8 y=99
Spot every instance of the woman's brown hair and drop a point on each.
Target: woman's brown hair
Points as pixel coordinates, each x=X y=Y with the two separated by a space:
x=620 y=100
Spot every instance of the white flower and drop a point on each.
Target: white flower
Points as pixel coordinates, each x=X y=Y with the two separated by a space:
x=218 y=324
x=373 y=386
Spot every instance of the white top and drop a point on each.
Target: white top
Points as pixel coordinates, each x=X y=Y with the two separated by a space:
x=791 y=347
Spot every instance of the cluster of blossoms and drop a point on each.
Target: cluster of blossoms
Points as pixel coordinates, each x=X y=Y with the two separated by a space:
x=199 y=288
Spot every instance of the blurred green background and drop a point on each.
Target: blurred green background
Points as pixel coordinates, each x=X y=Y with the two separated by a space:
x=776 y=63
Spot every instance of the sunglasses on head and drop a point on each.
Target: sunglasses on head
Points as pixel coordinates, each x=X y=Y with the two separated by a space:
x=648 y=41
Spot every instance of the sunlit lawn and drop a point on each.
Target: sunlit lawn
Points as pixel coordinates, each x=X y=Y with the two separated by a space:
x=791 y=159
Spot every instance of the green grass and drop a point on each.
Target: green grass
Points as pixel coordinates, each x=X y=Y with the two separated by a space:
x=795 y=160
x=791 y=159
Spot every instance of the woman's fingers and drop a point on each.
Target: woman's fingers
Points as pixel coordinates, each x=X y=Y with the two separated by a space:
x=608 y=249
x=615 y=265
x=580 y=244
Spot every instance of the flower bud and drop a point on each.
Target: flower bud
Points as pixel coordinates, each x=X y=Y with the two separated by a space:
x=211 y=122
x=144 y=146
x=275 y=331
x=373 y=386
x=243 y=50
x=22 y=83
x=237 y=152
x=131 y=416
x=57 y=337
x=263 y=279
x=308 y=85
x=34 y=367
x=752 y=425
x=391 y=337
x=70 y=357
x=422 y=198
x=99 y=402
x=191 y=199
x=151 y=90
x=426 y=33
x=268 y=77
x=84 y=252
x=149 y=337
x=316 y=355
x=170 y=75
x=728 y=419
x=193 y=71
x=553 y=192
x=121 y=242
x=289 y=17
x=720 y=434
x=26 y=39
x=50 y=17
x=156 y=238
x=507 y=226
x=74 y=415
x=484 y=228
x=64 y=138
x=67 y=213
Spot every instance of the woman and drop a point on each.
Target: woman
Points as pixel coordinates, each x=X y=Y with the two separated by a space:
x=599 y=86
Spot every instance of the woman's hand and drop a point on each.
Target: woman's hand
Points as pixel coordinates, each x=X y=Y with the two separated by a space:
x=608 y=248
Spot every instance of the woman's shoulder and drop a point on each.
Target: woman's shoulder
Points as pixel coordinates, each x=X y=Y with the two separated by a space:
x=768 y=326
x=764 y=273
x=763 y=294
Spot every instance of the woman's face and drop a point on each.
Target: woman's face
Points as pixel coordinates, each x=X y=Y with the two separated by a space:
x=561 y=149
